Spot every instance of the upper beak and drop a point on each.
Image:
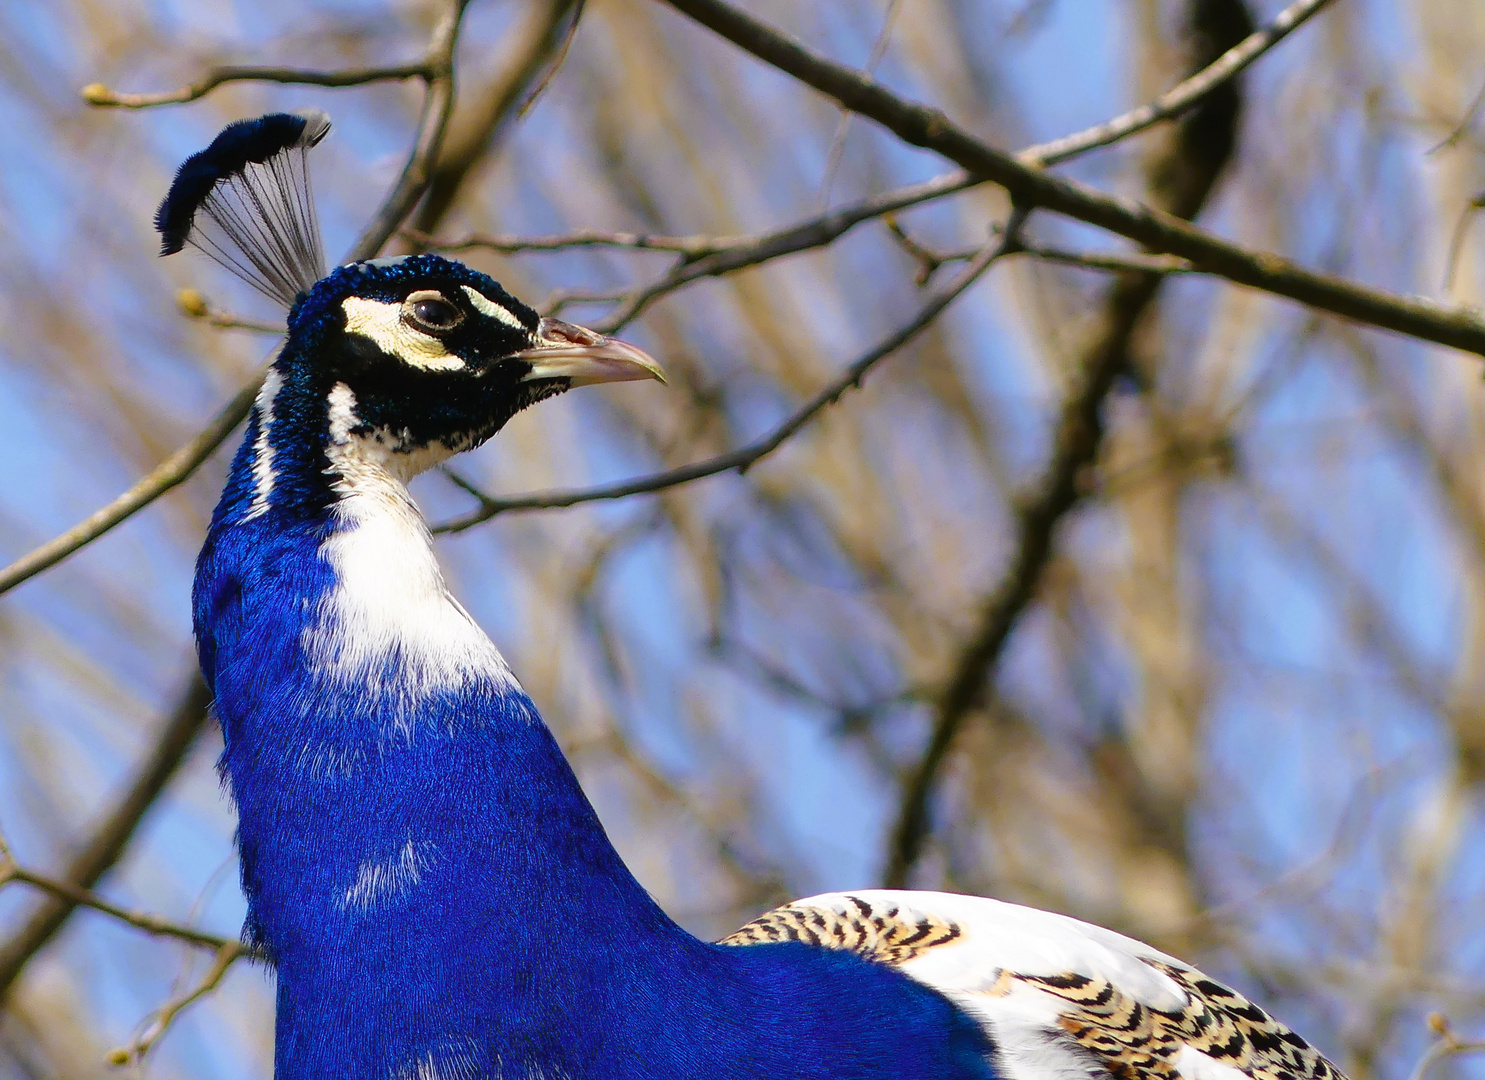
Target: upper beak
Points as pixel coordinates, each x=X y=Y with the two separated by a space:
x=565 y=351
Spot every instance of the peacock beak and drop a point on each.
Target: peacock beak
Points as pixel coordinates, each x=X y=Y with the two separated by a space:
x=565 y=351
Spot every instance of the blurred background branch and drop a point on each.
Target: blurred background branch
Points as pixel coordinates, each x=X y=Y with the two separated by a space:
x=931 y=129
x=1118 y=590
x=1181 y=176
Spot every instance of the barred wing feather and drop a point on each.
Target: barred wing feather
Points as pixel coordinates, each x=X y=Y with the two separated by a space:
x=1061 y=999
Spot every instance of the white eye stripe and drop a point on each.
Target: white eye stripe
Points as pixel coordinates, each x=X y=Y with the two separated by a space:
x=382 y=323
x=485 y=306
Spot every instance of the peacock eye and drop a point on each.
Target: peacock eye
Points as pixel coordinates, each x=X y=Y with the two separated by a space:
x=431 y=312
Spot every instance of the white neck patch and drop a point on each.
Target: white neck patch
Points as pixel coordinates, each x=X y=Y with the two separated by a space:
x=390 y=625
x=388 y=879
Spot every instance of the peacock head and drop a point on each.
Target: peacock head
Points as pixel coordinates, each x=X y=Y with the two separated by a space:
x=415 y=356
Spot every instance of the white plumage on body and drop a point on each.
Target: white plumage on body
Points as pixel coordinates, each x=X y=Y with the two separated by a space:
x=1061 y=999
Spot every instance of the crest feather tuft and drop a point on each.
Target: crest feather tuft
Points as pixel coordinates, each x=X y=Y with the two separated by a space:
x=245 y=201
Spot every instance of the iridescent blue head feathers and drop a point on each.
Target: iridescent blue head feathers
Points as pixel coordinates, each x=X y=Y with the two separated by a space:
x=245 y=201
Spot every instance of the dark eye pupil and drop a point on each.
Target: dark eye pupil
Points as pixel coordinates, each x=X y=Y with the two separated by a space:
x=437 y=314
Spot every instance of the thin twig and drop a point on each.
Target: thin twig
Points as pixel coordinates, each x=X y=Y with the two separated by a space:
x=510 y=244
x=711 y=256
x=195 y=306
x=531 y=53
x=1447 y=1045
x=1456 y=240
x=1463 y=127
x=811 y=233
x=100 y=95
x=1116 y=264
x=1135 y=262
x=930 y=128
x=570 y=13
x=1181 y=97
x=838 y=141
x=165 y=1015
x=745 y=457
x=140 y=920
x=558 y=299
x=929 y=260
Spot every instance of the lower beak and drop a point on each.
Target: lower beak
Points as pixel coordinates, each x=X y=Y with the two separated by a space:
x=565 y=351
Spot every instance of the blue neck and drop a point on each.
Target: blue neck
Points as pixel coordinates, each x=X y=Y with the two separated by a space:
x=437 y=894
x=413 y=844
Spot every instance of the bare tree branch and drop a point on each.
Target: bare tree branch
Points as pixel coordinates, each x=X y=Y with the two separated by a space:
x=532 y=52
x=100 y=95
x=704 y=256
x=417 y=174
x=744 y=458
x=165 y=1015
x=74 y=896
x=1180 y=97
x=141 y=920
x=1180 y=180
x=195 y=306
x=929 y=260
x=921 y=125
x=510 y=243
x=812 y=233
x=108 y=840
x=1447 y=1044
x=1037 y=514
x=175 y=469
x=1114 y=264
